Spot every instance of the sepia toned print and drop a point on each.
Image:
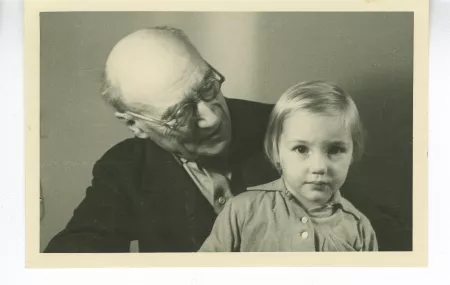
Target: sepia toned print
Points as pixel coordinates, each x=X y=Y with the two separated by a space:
x=153 y=124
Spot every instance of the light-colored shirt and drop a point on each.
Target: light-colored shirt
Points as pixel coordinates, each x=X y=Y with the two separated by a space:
x=214 y=184
x=268 y=218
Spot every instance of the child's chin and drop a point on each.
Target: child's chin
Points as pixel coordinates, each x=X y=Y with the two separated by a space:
x=319 y=197
x=322 y=189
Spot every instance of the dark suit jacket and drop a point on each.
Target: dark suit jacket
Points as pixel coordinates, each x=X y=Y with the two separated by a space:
x=140 y=192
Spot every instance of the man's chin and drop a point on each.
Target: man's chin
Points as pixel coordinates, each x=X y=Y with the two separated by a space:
x=213 y=150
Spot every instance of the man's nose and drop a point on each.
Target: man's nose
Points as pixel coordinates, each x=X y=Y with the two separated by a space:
x=318 y=163
x=206 y=116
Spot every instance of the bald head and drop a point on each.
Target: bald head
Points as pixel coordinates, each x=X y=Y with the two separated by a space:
x=149 y=68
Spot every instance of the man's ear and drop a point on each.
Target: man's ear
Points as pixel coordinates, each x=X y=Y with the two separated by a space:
x=133 y=124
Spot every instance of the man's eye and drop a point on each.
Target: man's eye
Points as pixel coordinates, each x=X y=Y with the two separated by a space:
x=182 y=116
x=209 y=91
x=301 y=149
x=208 y=86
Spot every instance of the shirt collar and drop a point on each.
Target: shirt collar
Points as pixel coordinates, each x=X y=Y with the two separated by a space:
x=278 y=185
x=180 y=159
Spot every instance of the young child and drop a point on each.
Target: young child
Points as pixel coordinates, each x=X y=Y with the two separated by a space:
x=314 y=134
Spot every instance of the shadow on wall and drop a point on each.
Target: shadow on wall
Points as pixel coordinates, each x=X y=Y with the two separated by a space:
x=380 y=185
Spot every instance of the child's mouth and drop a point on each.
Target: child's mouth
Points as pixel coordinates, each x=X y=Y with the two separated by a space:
x=317 y=182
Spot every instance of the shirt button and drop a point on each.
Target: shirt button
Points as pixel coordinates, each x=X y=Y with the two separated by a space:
x=221 y=200
x=304 y=235
x=304 y=220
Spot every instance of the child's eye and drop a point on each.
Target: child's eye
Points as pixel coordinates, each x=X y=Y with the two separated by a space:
x=336 y=150
x=301 y=149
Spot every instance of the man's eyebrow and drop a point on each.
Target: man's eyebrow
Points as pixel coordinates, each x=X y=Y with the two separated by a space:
x=170 y=112
x=209 y=74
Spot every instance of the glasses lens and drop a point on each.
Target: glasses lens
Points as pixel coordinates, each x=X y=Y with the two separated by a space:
x=184 y=114
x=210 y=91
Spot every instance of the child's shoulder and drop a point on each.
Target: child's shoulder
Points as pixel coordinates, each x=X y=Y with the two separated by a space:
x=276 y=185
x=258 y=194
x=350 y=208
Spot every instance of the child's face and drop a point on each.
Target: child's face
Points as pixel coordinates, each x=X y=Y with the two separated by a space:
x=315 y=152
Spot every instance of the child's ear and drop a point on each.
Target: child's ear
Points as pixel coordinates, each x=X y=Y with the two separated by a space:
x=278 y=164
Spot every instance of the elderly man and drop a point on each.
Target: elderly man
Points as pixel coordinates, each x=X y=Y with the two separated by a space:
x=193 y=150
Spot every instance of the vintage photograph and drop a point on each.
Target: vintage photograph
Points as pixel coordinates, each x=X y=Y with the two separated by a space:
x=214 y=132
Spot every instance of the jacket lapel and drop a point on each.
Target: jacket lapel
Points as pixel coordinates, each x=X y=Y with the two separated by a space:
x=173 y=199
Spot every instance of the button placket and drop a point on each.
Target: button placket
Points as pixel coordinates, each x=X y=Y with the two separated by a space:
x=301 y=226
x=304 y=234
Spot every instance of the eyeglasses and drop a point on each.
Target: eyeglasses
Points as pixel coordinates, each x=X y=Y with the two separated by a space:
x=207 y=92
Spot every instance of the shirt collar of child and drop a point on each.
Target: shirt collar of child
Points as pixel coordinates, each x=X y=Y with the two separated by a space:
x=278 y=185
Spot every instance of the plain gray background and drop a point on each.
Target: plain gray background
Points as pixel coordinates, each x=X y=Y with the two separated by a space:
x=260 y=54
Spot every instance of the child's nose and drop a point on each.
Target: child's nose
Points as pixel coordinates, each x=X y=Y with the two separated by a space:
x=318 y=164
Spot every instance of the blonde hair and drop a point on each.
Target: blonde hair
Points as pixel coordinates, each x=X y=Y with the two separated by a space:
x=318 y=97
